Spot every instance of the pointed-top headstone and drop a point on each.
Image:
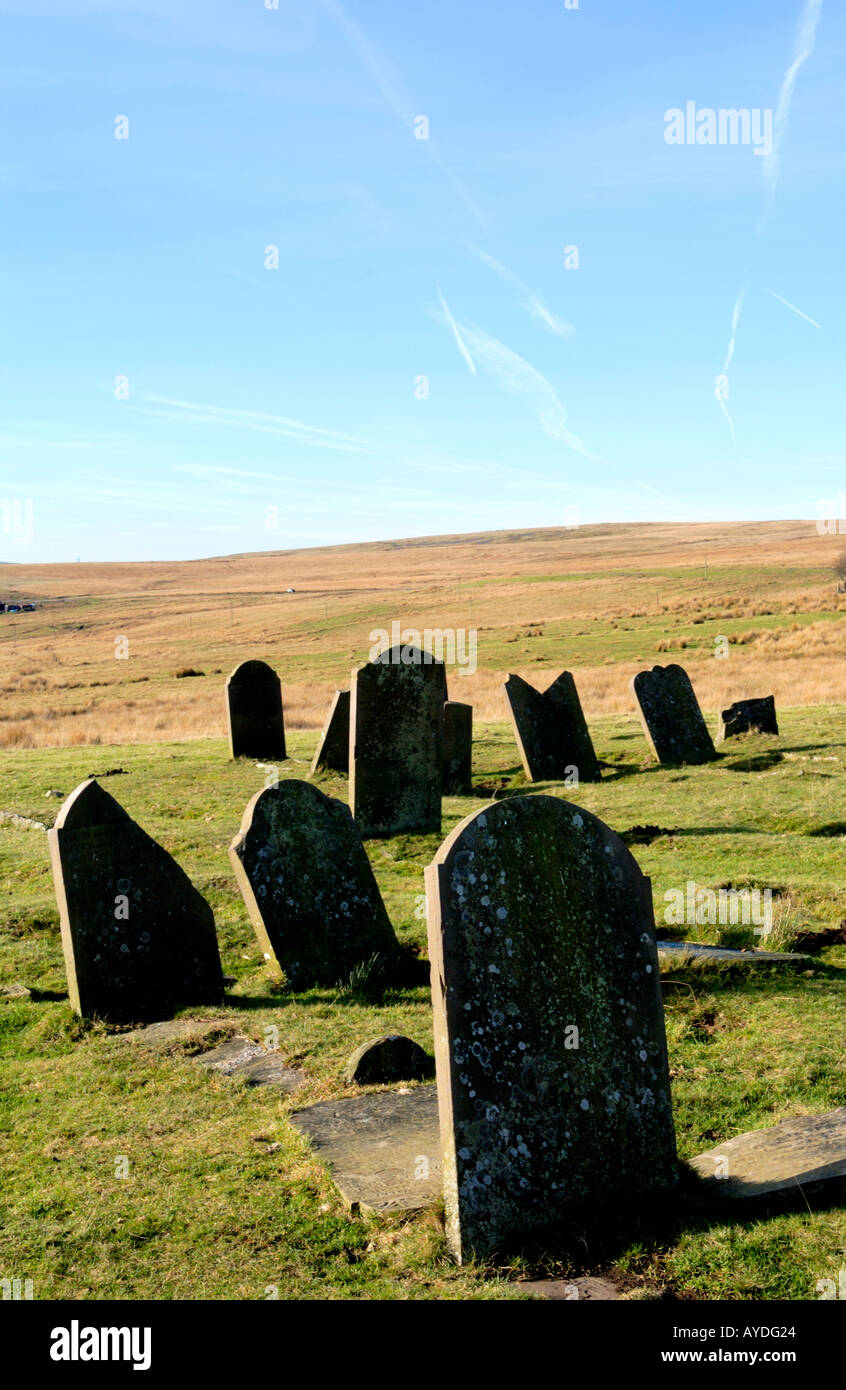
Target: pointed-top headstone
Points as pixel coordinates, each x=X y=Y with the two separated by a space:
x=333 y=750
x=551 y=732
x=138 y=939
x=254 y=712
x=396 y=743
x=307 y=882
x=553 y=1083
x=672 y=720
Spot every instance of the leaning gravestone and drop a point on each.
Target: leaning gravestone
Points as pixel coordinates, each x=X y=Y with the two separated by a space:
x=553 y=1084
x=457 y=748
x=396 y=743
x=748 y=716
x=333 y=750
x=138 y=939
x=308 y=885
x=672 y=720
x=551 y=732
x=254 y=712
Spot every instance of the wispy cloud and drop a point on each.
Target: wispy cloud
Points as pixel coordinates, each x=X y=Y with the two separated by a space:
x=258 y=420
x=793 y=307
x=735 y=320
x=802 y=50
x=456 y=334
x=532 y=302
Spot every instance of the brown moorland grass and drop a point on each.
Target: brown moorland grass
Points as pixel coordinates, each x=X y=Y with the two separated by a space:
x=602 y=601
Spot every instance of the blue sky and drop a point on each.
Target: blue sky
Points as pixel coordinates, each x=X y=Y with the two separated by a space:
x=269 y=408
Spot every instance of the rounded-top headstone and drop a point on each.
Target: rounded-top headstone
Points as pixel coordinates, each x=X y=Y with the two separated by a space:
x=254 y=712
x=389 y=1058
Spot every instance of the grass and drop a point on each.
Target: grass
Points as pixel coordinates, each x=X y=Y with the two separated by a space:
x=223 y=1199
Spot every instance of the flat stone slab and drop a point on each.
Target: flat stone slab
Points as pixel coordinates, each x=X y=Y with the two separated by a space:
x=810 y=1148
x=672 y=950
x=585 y=1289
x=14 y=992
x=177 y=1030
x=24 y=822
x=383 y=1149
x=241 y=1057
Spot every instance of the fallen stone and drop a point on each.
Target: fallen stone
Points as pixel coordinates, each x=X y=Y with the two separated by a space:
x=383 y=1149
x=178 y=1030
x=241 y=1057
x=15 y=992
x=230 y=1056
x=674 y=950
x=389 y=1058
x=24 y=822
x=809 y=1148
x=585 y=1289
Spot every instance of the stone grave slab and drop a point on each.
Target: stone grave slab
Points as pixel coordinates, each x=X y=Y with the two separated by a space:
x=250 y=1062
x=551 y=732
x=809 y=1148
x=457 y=749
x=308 y=886
x=396 y=743
x=695 y=950
x=333 y=750
x=383 y=1149
x=672 y=720
x=254 y=712
x=748 y=716
x=551 y=1055
x=138 y=939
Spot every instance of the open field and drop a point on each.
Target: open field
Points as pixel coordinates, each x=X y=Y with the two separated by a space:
x=223 y=1200
x=602 y=601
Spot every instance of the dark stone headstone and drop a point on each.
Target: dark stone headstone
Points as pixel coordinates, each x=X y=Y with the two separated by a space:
x=333 y=750
x=396 y=743
x=748 y=716
x=254 y=712
x=389 y=1058
x=672 y=720
x=139 y=940
x=457 y=748
x=553 y=1083
x=551 y=732
x=308 y=885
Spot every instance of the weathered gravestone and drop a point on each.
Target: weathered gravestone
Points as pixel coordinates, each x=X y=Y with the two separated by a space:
x=138 y=939
x=308 y=885
x=672 y=720
x=396 y=743
x=553 y=1084
x=551 y=732
x=254 y=712
x=333 y=750
x=457 y=748
x=748 y=716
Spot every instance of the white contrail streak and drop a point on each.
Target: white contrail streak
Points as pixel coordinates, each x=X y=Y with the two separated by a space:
x=802 y=50
x=456 y=334
x=793 y=307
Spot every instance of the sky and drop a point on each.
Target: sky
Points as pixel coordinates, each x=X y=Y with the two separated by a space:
x=327 y=271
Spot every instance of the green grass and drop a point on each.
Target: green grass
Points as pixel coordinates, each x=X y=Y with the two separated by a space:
x=223 y=1198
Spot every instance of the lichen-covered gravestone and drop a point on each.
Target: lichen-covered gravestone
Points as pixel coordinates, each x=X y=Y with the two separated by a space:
x=457 y=748
x=333 y=750
x=672 y=720
x=551 y=732
x=138 y=939
x=309 y=889
x=396 y=743
x=254 y=712
x=748 y=716
x=553 y=1084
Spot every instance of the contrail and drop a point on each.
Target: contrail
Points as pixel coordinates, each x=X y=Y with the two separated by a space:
x=536 y=307
x=735 y=319
x=793 y=307
x=803 y=48
x=456 y=334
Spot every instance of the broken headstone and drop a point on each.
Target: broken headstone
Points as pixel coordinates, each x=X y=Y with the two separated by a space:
x=551 y=732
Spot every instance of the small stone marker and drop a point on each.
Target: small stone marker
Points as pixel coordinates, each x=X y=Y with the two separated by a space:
x=389 y=1058
x=138 y=939
x=307 y=882
x=254 y=712
x=748 y=716
x=396 y=743
x=551 y=732
x=333 y=750
x=457 y=748
x=672 y=720
x=383 y=1149
x=810 y=1148
x=553 y=1081
x=15 y=992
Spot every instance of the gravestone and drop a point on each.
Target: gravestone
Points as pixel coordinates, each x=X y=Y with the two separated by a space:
x=308 y=885
x=138 y=939
x=748 y=716
x=333 y=750
x=553 y=1083
x=254 y=712
x=551 y=732
x=396 y=743
x=672 y=720
x=389 y=1058
x=457 y=748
